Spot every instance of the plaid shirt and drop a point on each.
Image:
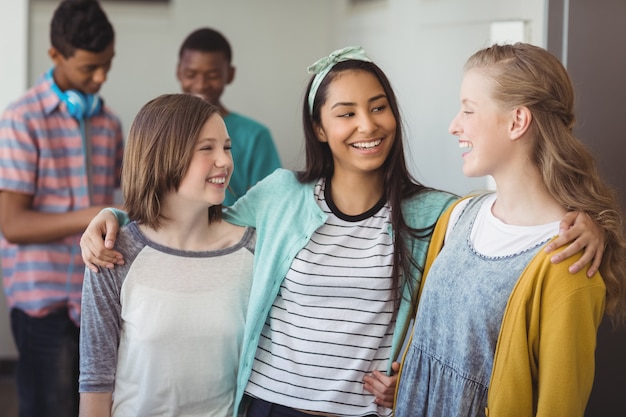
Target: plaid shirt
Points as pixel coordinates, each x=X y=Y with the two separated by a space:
x=41 y=154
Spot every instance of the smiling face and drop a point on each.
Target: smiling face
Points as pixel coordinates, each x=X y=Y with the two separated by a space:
x=483 y=128
x=357 y=123
x=204 y=74
x=211 y=165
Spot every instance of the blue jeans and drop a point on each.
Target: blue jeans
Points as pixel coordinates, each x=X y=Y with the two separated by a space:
x=47 y=366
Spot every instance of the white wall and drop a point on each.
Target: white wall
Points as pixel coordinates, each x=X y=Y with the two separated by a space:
x=13 y=81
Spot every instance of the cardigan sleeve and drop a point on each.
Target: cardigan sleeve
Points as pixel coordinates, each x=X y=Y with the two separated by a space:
x=257 y=201
x=544 y=359
x=566 y=344
x=120 y=215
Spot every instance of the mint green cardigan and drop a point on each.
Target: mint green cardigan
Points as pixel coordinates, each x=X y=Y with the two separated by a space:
x=285 y=215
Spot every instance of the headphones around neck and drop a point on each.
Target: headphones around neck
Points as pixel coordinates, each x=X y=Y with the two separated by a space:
x=79 y=105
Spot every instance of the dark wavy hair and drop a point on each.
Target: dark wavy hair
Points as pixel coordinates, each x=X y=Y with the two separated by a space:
x=398 y=184
x=80 y=24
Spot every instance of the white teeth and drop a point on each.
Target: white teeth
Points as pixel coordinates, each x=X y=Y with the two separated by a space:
x=367 y=145
x=465 y=145
x=220 y=180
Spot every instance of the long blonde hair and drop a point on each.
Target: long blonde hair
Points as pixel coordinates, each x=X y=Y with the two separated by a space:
x=529 y=76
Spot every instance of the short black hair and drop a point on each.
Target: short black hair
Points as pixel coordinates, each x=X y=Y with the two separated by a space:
x=206 y=40
x=80 y=24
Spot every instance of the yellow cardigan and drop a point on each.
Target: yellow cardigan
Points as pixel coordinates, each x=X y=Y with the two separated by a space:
x=544 y=360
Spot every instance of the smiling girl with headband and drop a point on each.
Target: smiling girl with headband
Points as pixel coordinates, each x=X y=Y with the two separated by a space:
x=339 y=254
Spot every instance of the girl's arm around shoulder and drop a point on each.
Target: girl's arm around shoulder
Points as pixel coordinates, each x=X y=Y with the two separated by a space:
x=579 y=231
x=98 y=252
x=265 y=195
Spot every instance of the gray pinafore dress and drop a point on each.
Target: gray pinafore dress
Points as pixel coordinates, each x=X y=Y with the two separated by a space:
x=448 y=364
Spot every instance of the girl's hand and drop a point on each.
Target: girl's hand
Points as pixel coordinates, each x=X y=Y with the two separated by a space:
x=97 y=251
x=584 y=234
x=383 y=387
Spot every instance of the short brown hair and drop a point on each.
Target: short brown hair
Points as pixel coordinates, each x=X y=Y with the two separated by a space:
x=158 y=152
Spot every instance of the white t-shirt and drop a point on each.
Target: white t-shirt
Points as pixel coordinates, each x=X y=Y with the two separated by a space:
x=497 y=238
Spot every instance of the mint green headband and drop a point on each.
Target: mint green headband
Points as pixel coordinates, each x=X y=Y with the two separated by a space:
x=323 y=66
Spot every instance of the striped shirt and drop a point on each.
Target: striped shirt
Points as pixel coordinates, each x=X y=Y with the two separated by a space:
x=41 y=154
x=332 y=321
